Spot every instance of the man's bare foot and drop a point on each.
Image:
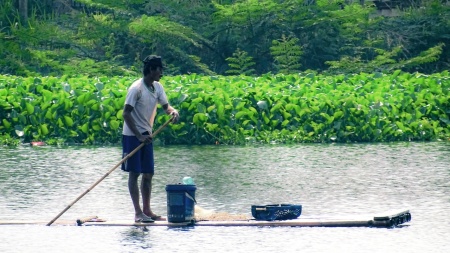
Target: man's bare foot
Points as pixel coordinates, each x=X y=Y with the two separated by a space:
x=143 y=218
x=155 y=217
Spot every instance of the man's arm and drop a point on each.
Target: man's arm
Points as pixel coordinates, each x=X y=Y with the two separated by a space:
x=170 y=110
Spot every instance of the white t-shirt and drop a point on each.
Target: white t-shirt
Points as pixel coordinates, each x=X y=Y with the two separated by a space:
x=144 y=103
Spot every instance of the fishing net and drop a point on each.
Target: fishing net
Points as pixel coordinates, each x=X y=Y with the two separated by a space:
x=202 y=214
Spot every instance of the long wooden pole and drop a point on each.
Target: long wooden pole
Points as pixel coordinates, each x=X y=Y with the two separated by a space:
x=109 y=172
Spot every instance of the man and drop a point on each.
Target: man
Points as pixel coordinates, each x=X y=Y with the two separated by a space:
x=138 y=114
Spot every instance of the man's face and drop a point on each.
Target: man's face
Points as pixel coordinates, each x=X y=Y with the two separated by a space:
x=156 y=74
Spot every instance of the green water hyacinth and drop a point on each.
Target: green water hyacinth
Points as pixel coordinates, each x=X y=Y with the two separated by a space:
x=295 y=108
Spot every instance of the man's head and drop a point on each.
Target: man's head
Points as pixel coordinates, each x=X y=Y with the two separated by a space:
x=152 y=63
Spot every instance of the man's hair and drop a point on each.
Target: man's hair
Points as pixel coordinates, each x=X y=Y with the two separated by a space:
x=151 y=62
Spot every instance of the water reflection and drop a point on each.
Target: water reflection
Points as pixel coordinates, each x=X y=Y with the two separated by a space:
x=136 y=238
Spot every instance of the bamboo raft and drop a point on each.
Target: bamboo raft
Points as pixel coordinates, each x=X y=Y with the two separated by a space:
x=387 y=220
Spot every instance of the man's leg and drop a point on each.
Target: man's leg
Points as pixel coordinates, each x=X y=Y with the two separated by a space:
x=146 y=183
x=134 y=191
x=146 y=189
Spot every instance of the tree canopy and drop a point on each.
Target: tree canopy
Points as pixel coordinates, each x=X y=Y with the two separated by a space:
x=110 y=37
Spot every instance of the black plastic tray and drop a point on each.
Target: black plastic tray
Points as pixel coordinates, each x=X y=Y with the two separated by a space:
x=276 y=212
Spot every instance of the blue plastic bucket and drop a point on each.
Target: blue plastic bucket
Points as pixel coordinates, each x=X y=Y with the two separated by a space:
x=180 y=202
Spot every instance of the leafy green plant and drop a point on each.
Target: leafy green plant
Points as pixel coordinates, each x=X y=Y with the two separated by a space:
x=286 y=53
x=241 y=109
x=430 y=55
x=385 y=61
x=240 y=63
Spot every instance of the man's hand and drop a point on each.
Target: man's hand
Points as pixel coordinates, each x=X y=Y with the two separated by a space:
x=174 y=114
x=145 y=138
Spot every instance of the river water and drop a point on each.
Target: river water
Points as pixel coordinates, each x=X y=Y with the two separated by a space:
x=37 y=183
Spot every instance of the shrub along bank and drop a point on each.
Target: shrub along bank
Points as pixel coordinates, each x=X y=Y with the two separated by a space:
x=294 y=108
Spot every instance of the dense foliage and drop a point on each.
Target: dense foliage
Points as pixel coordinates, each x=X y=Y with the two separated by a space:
x=293 y=108
x=313 y=71
x=109 y=37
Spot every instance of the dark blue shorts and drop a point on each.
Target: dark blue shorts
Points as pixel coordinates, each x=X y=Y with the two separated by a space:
x=142 y=161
